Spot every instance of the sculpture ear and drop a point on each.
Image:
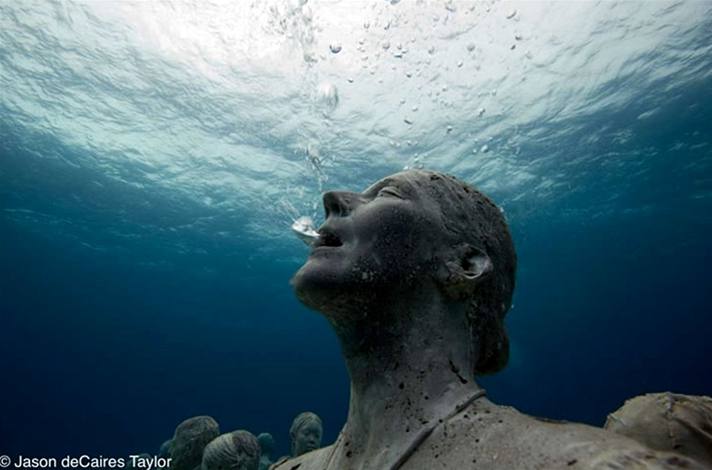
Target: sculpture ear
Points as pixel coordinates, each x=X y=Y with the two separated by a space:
x=466 y=267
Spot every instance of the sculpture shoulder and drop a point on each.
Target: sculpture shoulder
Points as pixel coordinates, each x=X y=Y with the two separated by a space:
x=487 y=436
x=314 y=460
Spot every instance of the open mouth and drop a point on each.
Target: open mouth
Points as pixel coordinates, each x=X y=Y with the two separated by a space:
x=327 y=238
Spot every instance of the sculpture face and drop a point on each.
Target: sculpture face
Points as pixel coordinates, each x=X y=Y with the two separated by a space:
x=307 y=438
x=382 y=238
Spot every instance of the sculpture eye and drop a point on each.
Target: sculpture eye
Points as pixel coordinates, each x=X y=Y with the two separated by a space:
x=389 y=191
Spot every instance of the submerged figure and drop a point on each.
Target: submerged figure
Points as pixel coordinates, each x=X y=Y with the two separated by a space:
x=669 y=422
x=237 y=450
x=266 y=442
x=305 y=433
x=415 y=275
x=190 y=438
x=165 y=449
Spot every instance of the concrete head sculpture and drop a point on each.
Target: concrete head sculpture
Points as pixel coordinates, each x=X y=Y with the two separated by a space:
x=415 y=231
x=190 y=438
x=306 y=432
x=266 y=442
x=237 y=450
x=165 y=449
x=415 y=275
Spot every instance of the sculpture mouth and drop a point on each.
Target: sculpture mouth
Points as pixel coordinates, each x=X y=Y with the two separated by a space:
x=327 y=239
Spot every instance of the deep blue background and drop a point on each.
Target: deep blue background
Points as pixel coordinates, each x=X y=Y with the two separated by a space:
x=105 y=356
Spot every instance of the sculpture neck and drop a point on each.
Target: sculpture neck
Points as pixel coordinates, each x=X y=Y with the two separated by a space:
x=410 y=363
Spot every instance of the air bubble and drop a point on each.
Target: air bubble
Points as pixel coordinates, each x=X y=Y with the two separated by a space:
x=335 y=48
x=328 y=95
x=511 y=14
x=480 y=112
x=484 y=149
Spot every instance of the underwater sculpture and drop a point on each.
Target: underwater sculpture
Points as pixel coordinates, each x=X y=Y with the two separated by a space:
x=669 y=422
x=415 y=275
x=266 y=442
x=237 y=450
x=165 y=449
x=190 y=438
x=305 y=433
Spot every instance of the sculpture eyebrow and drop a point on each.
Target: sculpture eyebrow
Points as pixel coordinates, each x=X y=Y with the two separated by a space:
x=378 y=186
x=383 y=184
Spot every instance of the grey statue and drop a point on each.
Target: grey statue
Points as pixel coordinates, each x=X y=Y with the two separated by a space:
x=165 y=449
x=669 y=422
x=415 y=275
x=305 y=433
x=190 y=438
x=266 y=442
x=237 y=450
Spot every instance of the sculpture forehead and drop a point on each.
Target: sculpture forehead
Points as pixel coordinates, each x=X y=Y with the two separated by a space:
x=311 y=425
x=304 y=419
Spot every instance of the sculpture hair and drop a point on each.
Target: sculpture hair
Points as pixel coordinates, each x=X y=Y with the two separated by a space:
x=227 y=450
x=470 y=217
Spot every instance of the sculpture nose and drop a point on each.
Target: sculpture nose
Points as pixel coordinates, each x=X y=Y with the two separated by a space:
x=339 y=203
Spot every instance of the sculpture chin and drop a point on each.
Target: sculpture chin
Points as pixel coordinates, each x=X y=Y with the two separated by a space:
x=322 y=285
x=314 y=285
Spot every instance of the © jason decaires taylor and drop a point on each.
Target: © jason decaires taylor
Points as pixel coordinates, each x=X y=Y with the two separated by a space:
x=144 y=462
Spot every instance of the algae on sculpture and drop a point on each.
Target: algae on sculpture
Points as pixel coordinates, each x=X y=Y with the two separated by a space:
x=415 y=275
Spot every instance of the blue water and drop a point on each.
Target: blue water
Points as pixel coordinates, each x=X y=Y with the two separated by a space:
x=150 y=168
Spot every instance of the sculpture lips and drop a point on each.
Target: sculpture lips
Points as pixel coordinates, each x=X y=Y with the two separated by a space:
x=327 y=238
